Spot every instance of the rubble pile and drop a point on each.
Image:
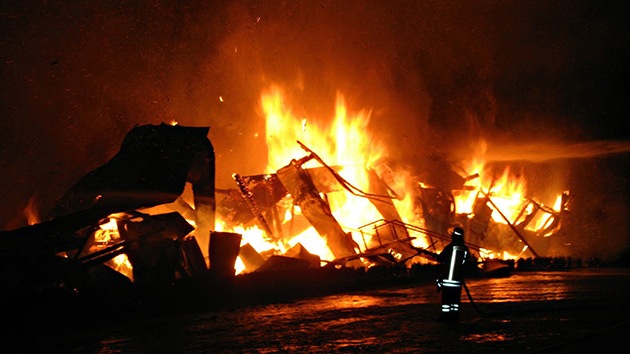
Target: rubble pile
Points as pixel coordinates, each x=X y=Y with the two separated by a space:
x=143 y=228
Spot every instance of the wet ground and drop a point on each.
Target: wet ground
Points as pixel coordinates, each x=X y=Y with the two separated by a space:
x=577 y=311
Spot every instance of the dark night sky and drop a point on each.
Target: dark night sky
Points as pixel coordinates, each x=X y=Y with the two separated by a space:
x=549 y=78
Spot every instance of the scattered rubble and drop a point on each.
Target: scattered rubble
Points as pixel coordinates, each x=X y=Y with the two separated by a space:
x=132 y=228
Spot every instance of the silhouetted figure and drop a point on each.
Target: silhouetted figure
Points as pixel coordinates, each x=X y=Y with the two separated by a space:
x=452 y=258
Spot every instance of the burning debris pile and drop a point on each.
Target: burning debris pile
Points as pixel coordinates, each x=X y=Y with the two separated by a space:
x=299 y=196
x=151 y=219
x=101 y=225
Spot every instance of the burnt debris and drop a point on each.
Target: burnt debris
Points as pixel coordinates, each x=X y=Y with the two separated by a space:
x=140 y=230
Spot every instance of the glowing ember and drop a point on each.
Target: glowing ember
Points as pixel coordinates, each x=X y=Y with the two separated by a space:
x=108 y=235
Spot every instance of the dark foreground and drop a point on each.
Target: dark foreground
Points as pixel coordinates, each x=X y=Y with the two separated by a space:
x=583 y=310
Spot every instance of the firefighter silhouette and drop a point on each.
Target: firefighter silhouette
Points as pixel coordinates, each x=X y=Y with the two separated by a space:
x=450 y=281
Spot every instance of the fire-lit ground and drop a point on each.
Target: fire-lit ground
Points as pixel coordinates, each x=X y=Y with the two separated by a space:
x=581 y=310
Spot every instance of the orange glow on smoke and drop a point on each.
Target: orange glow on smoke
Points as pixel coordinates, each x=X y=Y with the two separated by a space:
x=31 y=213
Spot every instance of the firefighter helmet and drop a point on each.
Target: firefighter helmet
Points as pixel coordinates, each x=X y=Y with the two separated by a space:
x=458 y=233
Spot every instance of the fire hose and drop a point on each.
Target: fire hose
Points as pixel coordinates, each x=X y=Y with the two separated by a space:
x=493 y=313
x=472 y=302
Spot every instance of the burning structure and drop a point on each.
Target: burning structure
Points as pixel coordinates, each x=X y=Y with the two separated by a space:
x=100 y=219
x=320 y=195
x=151 y=218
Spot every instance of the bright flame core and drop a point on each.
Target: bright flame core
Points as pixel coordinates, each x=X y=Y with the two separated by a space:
x=345 y=141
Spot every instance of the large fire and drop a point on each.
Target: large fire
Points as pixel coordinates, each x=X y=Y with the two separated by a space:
x=345 y=144
x=346 y=141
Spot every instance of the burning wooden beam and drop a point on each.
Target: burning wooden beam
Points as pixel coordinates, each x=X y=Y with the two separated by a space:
x=385 y=206
x=509 y=223
x=301 y=187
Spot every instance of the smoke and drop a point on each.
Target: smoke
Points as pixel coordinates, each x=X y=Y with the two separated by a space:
x=437 y=76
x=546 y=151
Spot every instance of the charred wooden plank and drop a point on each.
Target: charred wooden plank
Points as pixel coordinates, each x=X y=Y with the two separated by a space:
x=385 y=206
x=509 y=223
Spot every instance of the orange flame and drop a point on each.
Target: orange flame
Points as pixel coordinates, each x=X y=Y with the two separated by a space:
x=508 y=193
x=106 y=235
x=31 y=213
x=343 y=140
